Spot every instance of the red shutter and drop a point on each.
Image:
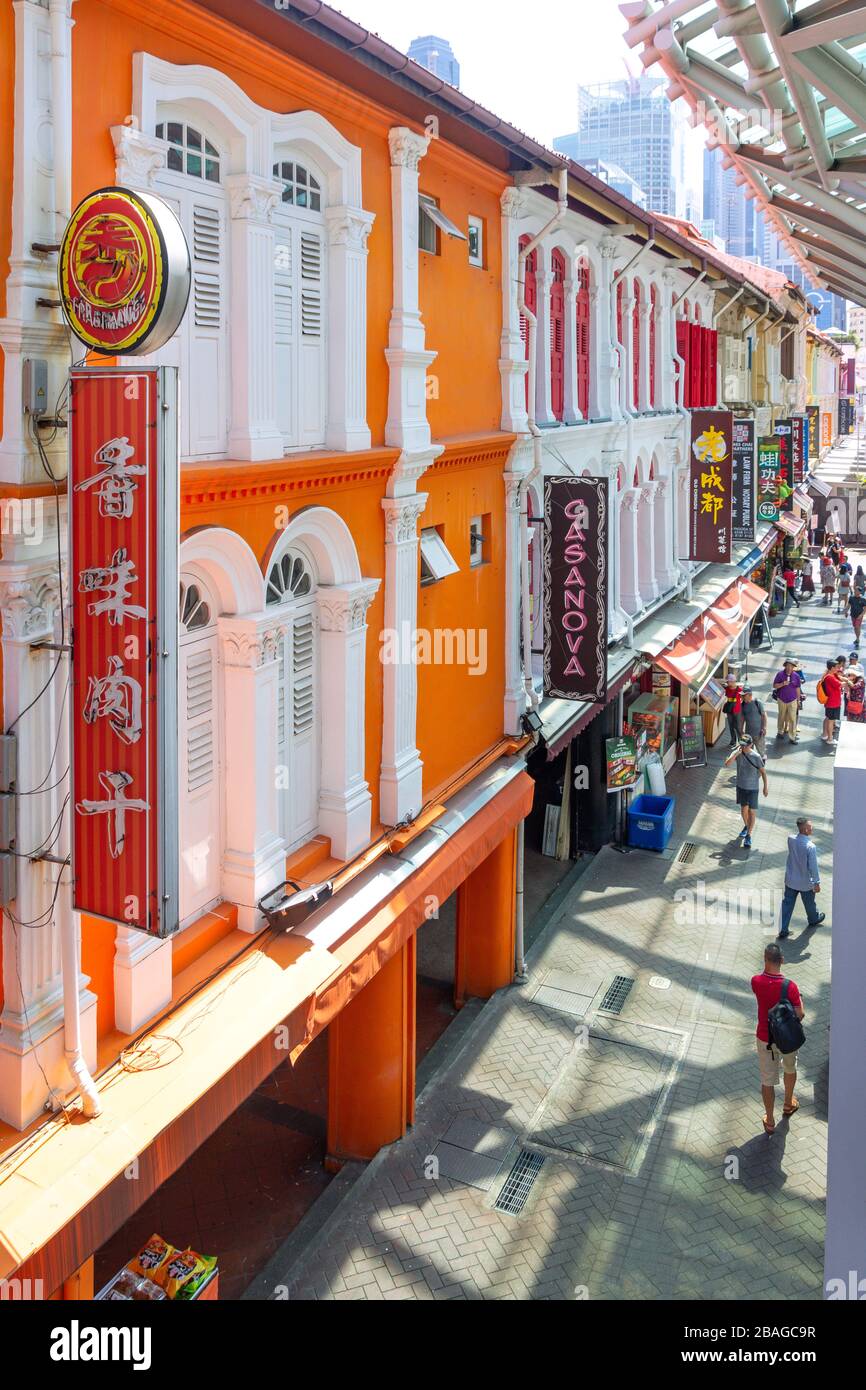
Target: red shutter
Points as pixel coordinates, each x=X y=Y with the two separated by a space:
x=620 y=327
x=636 y=345
x=713 y=368
x=683 y=383
x=652 y=346
x=583 y=339
x=557 y=335
x=531 y=297
x=695 y=336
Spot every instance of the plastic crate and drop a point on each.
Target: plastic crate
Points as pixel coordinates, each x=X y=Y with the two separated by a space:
x=651 y=822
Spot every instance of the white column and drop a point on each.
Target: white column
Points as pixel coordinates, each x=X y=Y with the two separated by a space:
x=407 y=427
x=344 y=797
x=253 y=433
x=630 y=595
x=605 y=359
x=645 y=314
x=348 y=230
x=665 y=560
x=682 y=504
x=667 y=342
x=629 y=335
x=519 y=461
x=571 y=411
x=142 y=978
x=400 y=785
x=646 y=544
x=543 y=280
x=41 y=175
x=513 y=365
x=254 y=856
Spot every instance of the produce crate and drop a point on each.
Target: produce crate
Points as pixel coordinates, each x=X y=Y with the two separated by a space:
x=651 y=822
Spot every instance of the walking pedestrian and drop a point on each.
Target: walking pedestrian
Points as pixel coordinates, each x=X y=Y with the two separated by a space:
x=843 y=589
x=768 y=989
x=828 y=580
x=732 y=707
x=802 y=879
x=855 y=702
x=832 y=682
x=807 y=582
x=790 y=579
x=856 y=609
x=751 y=774
x=753 y=719
x=859 y=582
x=787 y=689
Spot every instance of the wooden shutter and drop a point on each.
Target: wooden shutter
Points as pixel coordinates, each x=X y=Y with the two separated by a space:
x=695 y=337
x=297 y=728
x=206 y=395
x=286 y=336
x=652 y=345
x=311 y=294
x=199 y=777
x=636 y=345
x=531 y=297
x=557 y=335
x=583 y=331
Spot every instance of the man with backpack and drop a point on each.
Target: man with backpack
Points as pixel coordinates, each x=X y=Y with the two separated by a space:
x=779 y=1034
x=829 y=692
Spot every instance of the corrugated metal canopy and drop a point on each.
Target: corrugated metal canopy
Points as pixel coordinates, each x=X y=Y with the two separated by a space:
x=780 y=85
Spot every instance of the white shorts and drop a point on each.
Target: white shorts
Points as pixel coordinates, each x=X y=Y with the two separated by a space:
x=768 y=1063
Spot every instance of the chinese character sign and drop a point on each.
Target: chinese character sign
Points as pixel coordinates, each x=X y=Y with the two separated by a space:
x=711 y=479
x=575 y=588
x=123 y=512
x=743 y=486
x=784 y=431
x=798 y=447
x=769 y=470
x=813 y=433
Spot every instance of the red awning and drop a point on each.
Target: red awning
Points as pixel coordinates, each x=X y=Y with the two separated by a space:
x=696 y=653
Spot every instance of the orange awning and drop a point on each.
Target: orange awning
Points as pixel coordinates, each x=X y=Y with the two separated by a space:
x=696 y=653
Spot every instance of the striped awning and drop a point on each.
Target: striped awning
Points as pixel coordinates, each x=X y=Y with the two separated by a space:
x=694 y=655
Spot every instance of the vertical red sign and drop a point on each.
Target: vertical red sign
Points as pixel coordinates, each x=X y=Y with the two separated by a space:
x=711 y=486
x=123 y=563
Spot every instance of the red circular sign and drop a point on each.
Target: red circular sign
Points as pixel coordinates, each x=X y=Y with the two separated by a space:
x=114 y=270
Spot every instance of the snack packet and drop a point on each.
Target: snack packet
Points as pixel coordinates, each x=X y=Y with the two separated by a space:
x=207 y=1263
x=183 y=1268
x=151 y=1259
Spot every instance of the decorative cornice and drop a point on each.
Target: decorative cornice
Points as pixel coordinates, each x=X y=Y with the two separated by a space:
x=344 y=609
x=349 y=227
x=401 y=517
x=253 y=199
x=250 y=643
x=137 y=157
x=407 y=147
x=28 y=605
x=512 y=202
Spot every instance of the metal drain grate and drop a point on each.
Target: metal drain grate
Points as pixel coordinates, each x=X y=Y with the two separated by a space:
x=518 y=1184
x=688 y=850
x=616 y=995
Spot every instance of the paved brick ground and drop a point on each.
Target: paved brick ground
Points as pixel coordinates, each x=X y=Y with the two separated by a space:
x=658 y=1181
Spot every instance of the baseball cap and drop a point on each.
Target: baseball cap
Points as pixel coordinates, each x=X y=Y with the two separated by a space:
x=746 y=740
x=747 y=690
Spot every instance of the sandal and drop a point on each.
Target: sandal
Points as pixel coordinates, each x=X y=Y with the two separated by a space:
x=792 y=1109
x=768 y=1128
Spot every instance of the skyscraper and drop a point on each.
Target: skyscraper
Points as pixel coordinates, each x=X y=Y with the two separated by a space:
x=734 y=216
x=436 y=55
x=632 y=124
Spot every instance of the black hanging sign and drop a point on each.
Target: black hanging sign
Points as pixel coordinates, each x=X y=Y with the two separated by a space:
x=575 y=588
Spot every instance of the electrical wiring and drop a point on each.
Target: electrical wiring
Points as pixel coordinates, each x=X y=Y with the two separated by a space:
x=37 y=790
x=50 y=840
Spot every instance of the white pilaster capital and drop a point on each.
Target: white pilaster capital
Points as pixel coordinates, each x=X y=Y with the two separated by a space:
x=248 y=643
x=252 y=198
x=513 y=483
x=28 y=603
x=609 y=251
x=512 y=202
x=349 y=227
x=683 y=480
x=407 y=148
x=663 y=486
x=138 y=157
x=343 y=608
x=631 y=499
x=401 y=517
x=648 y=492
x=544 y=280
x=409 y=468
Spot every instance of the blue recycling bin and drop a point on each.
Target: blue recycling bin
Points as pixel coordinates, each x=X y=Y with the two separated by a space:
x=651 y=822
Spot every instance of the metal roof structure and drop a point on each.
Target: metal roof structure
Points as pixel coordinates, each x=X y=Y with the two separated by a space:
x=780 y=86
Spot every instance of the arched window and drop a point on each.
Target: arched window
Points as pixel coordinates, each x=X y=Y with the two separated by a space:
x=198 y=752
x=291 y=585
x=557 y=334
x=636 y=345
x=654 y=309
x=299 y=306
x=531 y=297
x=583 y=337
x=191 y=185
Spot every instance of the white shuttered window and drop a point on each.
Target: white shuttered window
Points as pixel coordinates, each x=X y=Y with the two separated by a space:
x=199 y=745
x=291 y=585
x=300 y=307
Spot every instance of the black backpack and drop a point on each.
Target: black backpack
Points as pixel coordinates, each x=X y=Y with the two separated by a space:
x=785 y=1028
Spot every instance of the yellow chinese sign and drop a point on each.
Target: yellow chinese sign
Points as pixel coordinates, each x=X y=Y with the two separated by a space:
x=711 y=491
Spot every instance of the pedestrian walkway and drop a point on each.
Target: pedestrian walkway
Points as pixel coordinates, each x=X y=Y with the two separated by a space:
x=649 y=1175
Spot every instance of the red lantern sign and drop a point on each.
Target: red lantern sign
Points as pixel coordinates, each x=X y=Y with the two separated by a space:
x=123 y=515
x=123 y=272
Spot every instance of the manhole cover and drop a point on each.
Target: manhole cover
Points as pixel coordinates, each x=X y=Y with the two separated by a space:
x=566 y=993
x=475 y=1170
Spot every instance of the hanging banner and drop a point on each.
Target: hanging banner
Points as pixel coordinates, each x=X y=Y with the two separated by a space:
x=743 y=480
x=784 y=433
x=621 y=763
x=813 y=442
x=799 y=426
x=575 y=588
x=769 y=470
x=826 y=430
x=123 y=567
x=710 y=509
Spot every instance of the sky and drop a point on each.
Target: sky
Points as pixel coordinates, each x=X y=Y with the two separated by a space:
x=524 y=61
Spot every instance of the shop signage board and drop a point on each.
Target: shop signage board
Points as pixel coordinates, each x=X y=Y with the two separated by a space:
x=769 y=469
x=743 y=484
x=124 y=537
x=622 y=763
x=692 y=742
x=784 y=433
x=711 y=476
x=713 y=693
x=826 y=430
x=813 y=435
x=575 y=588
x=798 y=447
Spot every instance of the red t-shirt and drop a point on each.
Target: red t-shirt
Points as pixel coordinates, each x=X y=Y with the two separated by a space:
x=833 y=690
x=768 y=991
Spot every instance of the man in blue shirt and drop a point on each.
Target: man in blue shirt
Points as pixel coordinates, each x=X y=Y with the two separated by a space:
x=802 y=878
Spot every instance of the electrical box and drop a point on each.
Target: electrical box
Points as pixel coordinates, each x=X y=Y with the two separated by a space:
x=35 y=386
x=7 y=820
x=8 y=879
x=8 y=761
